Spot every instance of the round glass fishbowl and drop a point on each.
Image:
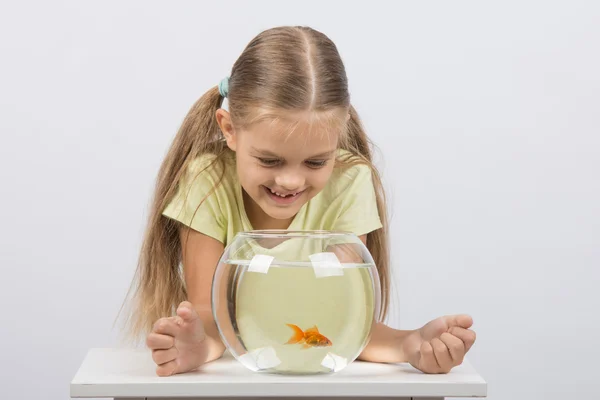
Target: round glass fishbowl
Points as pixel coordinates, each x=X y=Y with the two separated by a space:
x=295 y=302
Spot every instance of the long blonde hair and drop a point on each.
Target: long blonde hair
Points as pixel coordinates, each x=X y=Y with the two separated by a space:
x=281 y=69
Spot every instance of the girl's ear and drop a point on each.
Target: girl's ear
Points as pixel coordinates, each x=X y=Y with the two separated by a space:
x=224 y=121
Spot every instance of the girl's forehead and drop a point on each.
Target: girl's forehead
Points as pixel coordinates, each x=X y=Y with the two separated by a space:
x=297 y=135
x=290 y=140
x=303 y=124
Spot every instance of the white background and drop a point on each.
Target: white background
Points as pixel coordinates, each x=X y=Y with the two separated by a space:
x=488 y=120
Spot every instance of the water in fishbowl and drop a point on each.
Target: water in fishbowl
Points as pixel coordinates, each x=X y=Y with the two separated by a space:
x=292 y=318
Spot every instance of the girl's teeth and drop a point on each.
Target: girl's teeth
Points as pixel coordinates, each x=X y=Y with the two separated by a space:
x=282 y=195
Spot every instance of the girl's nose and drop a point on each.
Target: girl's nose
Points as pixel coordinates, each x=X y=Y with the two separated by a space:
x=290 y=180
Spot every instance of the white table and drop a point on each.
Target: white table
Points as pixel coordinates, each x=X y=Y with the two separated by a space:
x=130 y=373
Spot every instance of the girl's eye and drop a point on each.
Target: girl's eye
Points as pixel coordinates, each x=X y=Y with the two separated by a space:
x=316 y=164
x=268 y=161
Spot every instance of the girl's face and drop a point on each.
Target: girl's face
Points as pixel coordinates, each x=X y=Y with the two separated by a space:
x=280 y=171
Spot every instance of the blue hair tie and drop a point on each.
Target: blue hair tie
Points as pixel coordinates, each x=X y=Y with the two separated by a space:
x=224 y=86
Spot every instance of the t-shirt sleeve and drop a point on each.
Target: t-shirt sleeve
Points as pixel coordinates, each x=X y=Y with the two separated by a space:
x=358 y=213
x=196 y=202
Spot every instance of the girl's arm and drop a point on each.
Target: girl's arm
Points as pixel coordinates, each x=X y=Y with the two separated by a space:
x=436 y=347
x=201 y=254
x=386 y=343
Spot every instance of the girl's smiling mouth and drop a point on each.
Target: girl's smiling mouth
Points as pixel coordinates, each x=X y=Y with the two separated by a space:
x=283 y=197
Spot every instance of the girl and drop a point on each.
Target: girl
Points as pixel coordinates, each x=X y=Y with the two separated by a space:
x=290 y=153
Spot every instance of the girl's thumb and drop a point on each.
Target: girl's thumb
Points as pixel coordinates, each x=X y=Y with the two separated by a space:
x=187 y=312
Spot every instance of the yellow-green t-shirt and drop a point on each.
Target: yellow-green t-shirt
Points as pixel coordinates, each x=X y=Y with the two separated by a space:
x=346 y=203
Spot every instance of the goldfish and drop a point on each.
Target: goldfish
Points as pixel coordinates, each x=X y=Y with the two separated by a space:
x=309 y=338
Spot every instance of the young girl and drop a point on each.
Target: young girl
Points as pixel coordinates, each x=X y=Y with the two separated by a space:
x=290 y=153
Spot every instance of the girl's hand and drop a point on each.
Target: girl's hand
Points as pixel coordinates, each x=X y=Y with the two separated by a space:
x=178 y=343
x=440 y=345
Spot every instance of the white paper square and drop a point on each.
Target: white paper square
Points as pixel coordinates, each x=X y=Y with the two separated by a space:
x=266 y=358
x=334 y=362
x=260 y=263
x=326 y=264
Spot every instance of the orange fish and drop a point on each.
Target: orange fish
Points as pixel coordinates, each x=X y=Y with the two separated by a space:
x=310 y=338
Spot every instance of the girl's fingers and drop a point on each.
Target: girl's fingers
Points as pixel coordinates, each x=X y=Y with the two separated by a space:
x=456 y=347
x=459 y=320
x=156 y=341
x=442 y=355
x=163 y=334
x=428 y=362
x=466 y=335
x=167 y=369
x=164 y=356
x=167 y=326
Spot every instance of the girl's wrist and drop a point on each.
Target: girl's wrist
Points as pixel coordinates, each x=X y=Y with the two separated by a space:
x=401 y=340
